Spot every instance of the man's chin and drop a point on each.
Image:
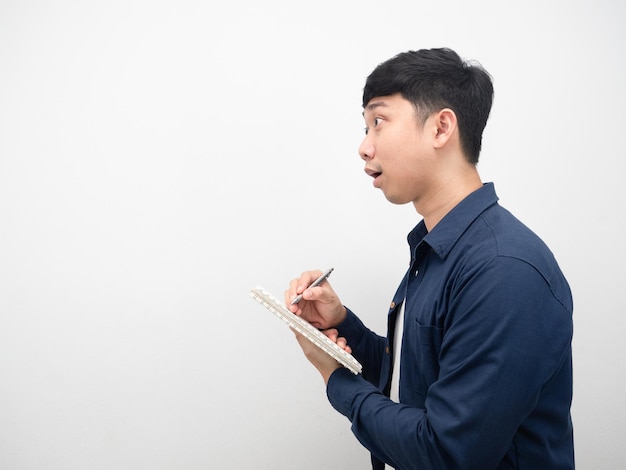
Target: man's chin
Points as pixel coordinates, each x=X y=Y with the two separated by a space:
x=395 y=199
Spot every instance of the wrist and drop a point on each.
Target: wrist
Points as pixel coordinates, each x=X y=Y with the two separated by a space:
x=343 y=313
x=327 y=373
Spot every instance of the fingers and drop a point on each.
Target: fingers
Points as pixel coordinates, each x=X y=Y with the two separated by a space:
x=306 y=279
x=324 y=363
x=320 y=305
x=333 y=334
x=300 y=286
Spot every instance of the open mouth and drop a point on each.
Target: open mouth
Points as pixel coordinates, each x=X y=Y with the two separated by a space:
x=373 y=173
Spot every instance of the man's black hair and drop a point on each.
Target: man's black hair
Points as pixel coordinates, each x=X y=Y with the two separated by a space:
x=434 y=79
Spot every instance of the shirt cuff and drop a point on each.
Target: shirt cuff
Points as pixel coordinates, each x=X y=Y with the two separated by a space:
x=342 y=389
x=351 y=327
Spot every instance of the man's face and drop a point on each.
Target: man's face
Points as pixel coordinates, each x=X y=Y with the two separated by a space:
x=395 y=149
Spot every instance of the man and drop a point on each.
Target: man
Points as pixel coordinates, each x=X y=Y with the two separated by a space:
x=475 y=371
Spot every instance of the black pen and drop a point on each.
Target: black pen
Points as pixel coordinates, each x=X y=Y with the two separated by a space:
x=315 y=283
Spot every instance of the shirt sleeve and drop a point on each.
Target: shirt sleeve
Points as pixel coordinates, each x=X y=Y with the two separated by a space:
x=505 y=337
x=367 y=347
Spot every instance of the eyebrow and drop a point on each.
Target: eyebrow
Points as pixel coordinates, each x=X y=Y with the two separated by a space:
x=374 y=105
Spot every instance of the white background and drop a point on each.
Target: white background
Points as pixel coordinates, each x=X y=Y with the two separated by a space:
x=160 y=158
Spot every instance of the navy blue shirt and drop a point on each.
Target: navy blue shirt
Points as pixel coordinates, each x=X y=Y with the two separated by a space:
x=486 y=362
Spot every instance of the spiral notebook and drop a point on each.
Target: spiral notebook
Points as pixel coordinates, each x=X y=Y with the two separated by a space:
x=305 y=328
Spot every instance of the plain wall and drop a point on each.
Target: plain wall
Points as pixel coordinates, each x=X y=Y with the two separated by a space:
x=160 y=158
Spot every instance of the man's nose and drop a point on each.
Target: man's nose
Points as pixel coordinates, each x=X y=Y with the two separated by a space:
x=366 y=149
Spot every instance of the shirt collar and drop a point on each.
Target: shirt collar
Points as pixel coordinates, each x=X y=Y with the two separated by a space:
x=449 y=229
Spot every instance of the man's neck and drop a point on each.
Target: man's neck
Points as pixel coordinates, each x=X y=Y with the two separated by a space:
x=446 y=195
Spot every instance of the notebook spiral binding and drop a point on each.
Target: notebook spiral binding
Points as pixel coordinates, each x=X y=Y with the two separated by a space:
x=305 y=328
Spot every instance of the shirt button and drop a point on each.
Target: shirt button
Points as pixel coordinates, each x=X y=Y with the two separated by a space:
x=387 y=349
x=393 y=304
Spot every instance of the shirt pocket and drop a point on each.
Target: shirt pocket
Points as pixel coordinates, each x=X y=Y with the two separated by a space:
x=424 y=345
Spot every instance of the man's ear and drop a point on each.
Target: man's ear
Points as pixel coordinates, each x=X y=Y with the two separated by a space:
x=446 y=127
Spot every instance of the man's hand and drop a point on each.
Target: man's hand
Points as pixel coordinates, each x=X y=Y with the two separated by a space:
x=325 y=364
x=320 y=306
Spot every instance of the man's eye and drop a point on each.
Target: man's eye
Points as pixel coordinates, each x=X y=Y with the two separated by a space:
x=377 y=121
